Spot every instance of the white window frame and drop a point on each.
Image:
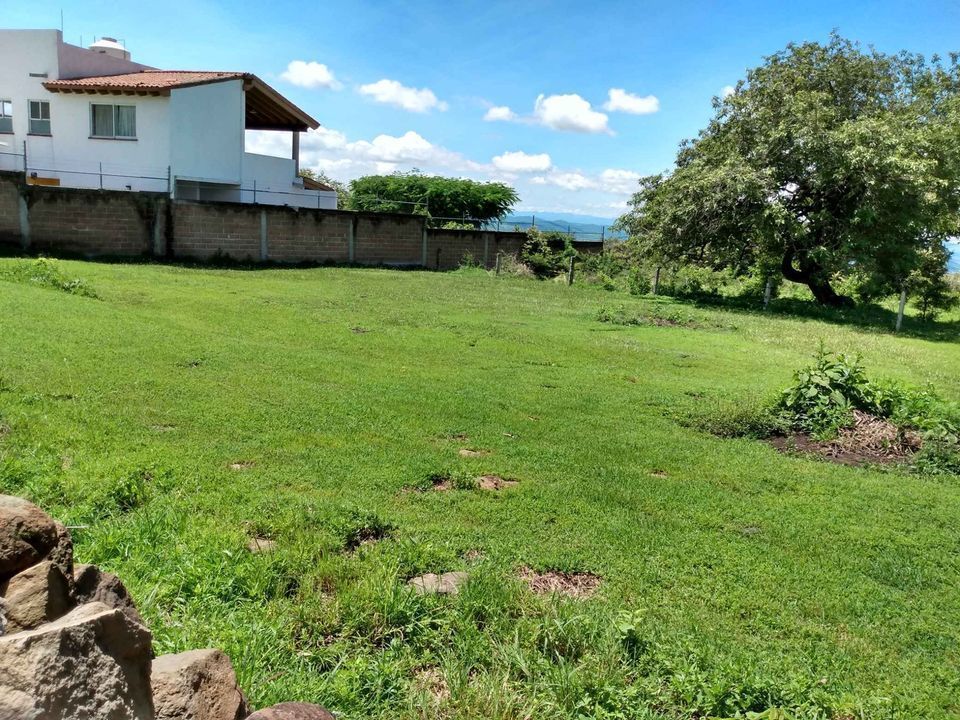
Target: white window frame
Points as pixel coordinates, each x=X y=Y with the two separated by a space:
x=115 y=113
x=33 y=119
x=6 y=116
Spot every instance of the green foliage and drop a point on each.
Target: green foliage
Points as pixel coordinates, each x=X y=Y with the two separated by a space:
x=823 y=396
x=46 y=273
x=928 y=283
x=546 y=253
x=828 y=157
x=433 y=196
x=342 y=188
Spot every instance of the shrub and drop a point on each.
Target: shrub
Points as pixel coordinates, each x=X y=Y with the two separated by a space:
x=546 y=253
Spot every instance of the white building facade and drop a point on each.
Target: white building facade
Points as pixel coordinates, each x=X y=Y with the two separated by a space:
x=92 y=118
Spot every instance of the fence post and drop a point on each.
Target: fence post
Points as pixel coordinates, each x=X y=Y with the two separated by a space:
x=656 y=281
x=264 y=247
x=767 y=292
x=903 y=305
x=351 y=234
x=254 y=192
x=570 y=271
x=169 y=182
x=498 y=262
x=101 y=176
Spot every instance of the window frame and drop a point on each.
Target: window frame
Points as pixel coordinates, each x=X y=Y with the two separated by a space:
x=114 y=117
x=31 y=119
x=5 y=116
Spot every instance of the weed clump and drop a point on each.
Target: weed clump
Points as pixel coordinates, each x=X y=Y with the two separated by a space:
x=46 y=273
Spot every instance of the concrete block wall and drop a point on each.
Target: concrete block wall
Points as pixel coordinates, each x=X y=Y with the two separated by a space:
x=127 y=224
x=200 y=231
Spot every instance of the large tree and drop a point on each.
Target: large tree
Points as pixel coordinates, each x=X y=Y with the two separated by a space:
x=828 y=158
x=437 y=197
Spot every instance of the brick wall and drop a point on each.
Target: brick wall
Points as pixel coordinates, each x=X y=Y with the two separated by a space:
x=388 y=240
x=115 y=223
x=203 y=230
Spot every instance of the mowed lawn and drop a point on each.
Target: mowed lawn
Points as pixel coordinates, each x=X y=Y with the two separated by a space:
x=187 y=410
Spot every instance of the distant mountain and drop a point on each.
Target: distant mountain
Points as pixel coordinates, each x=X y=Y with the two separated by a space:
x=583 y=227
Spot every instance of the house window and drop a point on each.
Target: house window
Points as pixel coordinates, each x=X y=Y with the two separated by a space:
x=6 y=116
x=113 y=121
x=39 y=117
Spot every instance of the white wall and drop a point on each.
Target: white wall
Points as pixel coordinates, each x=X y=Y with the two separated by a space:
x=206 y=132
x=78 y=62
x=70 y=147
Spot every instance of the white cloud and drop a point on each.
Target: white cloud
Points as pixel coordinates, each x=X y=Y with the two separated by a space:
x=500 y=112
x=392 y=92
x=310 y=75
x=569 y=112
x=619 y=100
x=727 y=90
x=619 y=181
x=566 y=180
x=514 y=162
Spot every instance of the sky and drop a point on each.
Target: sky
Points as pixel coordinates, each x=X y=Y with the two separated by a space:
x=569 y=102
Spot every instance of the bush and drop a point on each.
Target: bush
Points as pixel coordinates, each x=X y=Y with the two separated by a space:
x=546 y=253
x=47 y=273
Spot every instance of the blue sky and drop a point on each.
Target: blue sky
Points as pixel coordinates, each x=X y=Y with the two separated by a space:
x=409 y=84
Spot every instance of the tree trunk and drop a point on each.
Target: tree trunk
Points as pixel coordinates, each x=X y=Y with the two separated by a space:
x=813 y=276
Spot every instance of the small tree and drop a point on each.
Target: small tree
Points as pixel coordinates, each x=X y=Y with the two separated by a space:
x=928 y=283
x=434 y=196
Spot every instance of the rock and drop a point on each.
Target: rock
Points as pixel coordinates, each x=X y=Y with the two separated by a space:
x=259 y=545
x=27 y=535
x=91 y=584
x=197 y=685
x=446 y=584
x=93 y=663
x=292 y=711
x=37 y=595
x=62 y=552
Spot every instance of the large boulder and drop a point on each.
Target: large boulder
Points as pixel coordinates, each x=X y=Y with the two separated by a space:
x=197 y=685
x=27 y=535
x=292 y=711
x=93 y=663
x=37 y=595
x=91 y=584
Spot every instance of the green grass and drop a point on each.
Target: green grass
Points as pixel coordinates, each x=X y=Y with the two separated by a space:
x=734 y=578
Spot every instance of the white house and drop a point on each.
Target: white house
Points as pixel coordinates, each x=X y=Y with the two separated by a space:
x=94 y=118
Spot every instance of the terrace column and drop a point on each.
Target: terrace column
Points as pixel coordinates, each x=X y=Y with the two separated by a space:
x=296 y=152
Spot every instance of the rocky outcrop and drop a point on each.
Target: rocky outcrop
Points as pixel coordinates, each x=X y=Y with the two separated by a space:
x=74 y=647
x=93 y=663
x=197 y=685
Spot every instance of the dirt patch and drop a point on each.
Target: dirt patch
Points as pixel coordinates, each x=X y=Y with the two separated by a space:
x=577 y=585
x=473 y=555
x=359 y=330
x=259 y=545
x=431 y=681
x=494 y=482
x=242 y=465
x=870 y=439
x=473 y=452
x=659 y=473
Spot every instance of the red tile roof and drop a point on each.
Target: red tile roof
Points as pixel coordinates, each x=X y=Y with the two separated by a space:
x=145 y=80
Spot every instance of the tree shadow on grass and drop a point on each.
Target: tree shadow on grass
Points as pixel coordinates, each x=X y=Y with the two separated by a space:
x=867 y=318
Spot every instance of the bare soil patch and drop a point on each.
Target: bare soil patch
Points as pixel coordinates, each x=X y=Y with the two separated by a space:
x=577 y=585
x=658 y=473
x=870 y=439
x=473 y=452
x=242 y=465
x=494 y=482
x=258 y=545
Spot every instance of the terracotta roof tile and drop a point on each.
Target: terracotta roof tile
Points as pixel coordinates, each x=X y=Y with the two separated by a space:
x=145 y=80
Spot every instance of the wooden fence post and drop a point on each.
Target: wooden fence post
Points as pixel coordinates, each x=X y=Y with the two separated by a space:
x=570 y=271
x=499 y=255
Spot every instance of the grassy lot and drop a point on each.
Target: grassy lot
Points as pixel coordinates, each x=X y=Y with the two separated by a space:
x=183 y=411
